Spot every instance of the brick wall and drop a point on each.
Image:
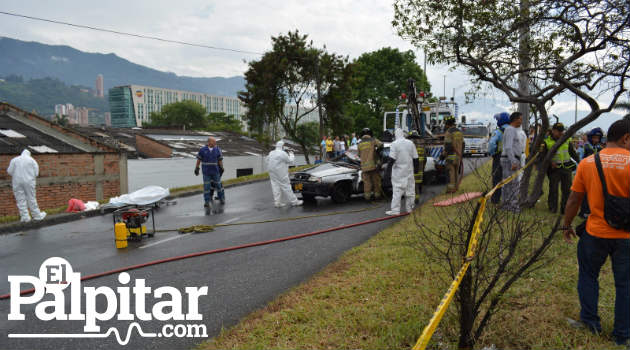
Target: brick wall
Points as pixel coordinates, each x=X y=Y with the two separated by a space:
x=65 y=176
x=151 y=148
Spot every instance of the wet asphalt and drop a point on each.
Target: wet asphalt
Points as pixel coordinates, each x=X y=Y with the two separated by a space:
x=238 y=281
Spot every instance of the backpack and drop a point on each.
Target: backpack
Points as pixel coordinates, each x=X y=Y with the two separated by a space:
x=616 y=209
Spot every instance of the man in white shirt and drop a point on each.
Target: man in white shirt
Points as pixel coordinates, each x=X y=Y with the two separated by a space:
x=512 y=159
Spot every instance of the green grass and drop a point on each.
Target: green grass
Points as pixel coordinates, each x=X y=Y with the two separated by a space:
x=52 y=211
x=380 y=295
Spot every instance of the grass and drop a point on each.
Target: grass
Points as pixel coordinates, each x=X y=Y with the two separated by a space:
x=380 y=295
x=52 y=211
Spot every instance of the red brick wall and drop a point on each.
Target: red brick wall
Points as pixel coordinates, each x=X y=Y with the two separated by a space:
x=151 y=148
x=61 y=165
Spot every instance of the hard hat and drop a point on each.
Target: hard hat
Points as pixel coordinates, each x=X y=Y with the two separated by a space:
x=594 y=132
x=366 y=131
x=558 y=126
x=449 y=120
x=414 y=135
x=279 y=144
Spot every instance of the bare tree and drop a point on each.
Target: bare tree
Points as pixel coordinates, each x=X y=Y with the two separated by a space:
x=510 y=246
x=579 y=46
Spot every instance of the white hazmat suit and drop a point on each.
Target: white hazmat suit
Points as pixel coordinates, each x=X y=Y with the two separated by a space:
x=24 y=170
x=278 y=163
x=403 y=151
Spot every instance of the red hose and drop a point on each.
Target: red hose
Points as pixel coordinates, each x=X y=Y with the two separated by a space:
x=220 y=250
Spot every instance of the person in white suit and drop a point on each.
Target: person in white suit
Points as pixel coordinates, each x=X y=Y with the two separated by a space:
x=24 y=170
x=278 y=162
x=404 y=155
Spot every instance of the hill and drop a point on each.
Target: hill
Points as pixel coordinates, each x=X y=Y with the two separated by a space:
x=41 y=95
x=33 y=60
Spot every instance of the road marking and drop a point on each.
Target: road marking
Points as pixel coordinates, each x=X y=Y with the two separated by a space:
x=228 y=221
x=182 y=235
x=164 y=240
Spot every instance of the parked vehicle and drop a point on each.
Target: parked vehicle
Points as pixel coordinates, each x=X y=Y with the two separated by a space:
x=476 y=137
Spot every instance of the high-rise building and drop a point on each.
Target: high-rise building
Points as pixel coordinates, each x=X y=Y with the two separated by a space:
x=132 y=105
x=99 y=86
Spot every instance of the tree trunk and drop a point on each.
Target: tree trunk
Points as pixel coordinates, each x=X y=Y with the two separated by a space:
x=305 y=151
x=466 y=300
x=524 y=62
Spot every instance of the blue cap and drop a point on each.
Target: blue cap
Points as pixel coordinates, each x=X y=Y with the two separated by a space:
x=502 y=118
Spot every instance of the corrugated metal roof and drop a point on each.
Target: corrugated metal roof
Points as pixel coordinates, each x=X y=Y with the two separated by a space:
x=32 y=137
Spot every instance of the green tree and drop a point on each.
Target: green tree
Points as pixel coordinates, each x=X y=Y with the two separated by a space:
x=532 y=50
x=380 y=77
x=281 y=87
x=223 y=122
x=307 y=134
x=187 y=114
x=61 y=119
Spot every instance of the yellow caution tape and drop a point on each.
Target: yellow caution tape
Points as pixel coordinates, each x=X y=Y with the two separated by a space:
x=428 y=331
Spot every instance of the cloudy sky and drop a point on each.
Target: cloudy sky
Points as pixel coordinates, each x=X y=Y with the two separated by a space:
x=344 y=27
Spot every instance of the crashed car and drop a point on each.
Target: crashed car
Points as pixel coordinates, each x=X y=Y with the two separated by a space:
x=340 y=178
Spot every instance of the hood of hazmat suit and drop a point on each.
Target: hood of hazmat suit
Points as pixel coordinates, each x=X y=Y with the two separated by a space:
x=404 y=152
x=278 y=162
x=23 y=169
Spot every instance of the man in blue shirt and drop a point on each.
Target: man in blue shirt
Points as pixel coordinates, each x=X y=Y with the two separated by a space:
x=211 y=161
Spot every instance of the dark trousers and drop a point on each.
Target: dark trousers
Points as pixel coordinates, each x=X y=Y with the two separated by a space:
x=210 y=183
x=592 y=253
x=497 y=176
x=562 y=177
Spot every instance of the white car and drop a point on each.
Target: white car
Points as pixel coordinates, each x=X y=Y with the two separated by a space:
x=341 y=178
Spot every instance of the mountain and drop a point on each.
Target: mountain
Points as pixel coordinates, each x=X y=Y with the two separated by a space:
x=41 y=95
x=35 y=60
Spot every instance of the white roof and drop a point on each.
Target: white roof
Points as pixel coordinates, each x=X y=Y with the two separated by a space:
x=43 y=149
x=11 y=133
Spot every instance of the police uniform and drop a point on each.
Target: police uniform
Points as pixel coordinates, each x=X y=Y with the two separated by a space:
x=561 y=174
x=370 y=175
x=453 y=147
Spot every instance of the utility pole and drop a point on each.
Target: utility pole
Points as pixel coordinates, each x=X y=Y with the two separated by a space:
x=444 y=86
x=524 y=62
x=575 y=122
x=318 y=83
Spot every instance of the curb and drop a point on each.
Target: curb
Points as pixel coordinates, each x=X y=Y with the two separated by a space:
x=61 y=218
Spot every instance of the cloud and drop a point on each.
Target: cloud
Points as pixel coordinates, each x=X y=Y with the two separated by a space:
x=343 y=26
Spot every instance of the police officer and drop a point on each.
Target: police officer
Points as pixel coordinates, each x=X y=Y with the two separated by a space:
x=561 y=168
x=372 y=186
x=594 y=144
x=422 y=160
x=453 y=151
x=495 y=148
x=211 y=160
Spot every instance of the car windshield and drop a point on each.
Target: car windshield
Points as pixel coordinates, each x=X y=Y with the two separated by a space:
x=475 y=131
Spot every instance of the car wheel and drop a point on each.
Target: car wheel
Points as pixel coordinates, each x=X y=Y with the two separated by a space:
x=310 y=198
x=341 y=193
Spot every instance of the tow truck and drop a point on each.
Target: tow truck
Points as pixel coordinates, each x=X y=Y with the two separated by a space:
x=427 y=119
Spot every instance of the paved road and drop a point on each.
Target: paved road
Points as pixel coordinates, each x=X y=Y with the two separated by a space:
x=238 y=282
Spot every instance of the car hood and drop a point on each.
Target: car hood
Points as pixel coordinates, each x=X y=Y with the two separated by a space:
x=328 y=169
